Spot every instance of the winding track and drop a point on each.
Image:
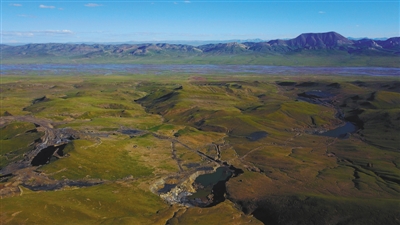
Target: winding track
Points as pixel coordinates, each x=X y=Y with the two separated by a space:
x=201 y=154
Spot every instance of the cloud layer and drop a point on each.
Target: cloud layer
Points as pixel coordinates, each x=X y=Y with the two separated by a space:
x=92 y=5
x=47 y=6
x=36 y=33
x=26 y=15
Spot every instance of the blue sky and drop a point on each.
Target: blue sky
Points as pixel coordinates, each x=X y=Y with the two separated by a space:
x=27 y=21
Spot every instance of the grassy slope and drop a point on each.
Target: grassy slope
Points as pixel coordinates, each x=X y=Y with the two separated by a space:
x=103 y=204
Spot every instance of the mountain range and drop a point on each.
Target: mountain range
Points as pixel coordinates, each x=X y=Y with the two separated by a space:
x=307 y=43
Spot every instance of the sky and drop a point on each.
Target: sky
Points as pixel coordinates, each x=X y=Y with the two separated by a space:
x=27 y=21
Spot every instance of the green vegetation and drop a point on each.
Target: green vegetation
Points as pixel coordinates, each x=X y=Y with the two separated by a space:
x=137 y=129
x=103 y=204
x=106 y=160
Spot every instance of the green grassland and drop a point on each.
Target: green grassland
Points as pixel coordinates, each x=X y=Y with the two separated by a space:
x=106 y=204
x=291 y=176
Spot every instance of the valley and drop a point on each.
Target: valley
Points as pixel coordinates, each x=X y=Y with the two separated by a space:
x=194 y=148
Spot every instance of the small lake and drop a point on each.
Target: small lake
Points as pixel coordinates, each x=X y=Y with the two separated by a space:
x=221 y=174
x=255 y=136
x=210 y=188
x=341 y=132
x=121 y=69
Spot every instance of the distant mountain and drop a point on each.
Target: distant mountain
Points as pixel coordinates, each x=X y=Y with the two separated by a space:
x=319 y=41
x=315 y=41
x=375 y=39
x=233 y=47
x=391 y=43
x=307 y=43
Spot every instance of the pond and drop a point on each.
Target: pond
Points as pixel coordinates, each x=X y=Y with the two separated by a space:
x=210 y=188
x=46 y=154
x=255 y=136
x=341 y=132
x=221 y=174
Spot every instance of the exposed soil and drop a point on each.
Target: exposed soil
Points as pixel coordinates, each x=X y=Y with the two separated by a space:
x=49 y=147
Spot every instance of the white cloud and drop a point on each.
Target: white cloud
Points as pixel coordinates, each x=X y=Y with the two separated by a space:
x=16 y=5
x=58 y=32
x=37 y=33
x=60 y=9
x=186 y=1
x=175 y=3
x=16 y=34
x=321 y=12
x=25 y=15
x=92 y=5
x=47 y=6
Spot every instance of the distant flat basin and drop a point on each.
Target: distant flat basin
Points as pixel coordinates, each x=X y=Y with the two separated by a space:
x=108 y=69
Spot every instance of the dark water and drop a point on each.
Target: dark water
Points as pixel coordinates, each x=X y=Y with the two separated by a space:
x=131 y=132
x=44 y=156
x=317 y=94
x=108 y=69
x=166 y=188
x=221 y=174
x=341 y=132
x=211 y=188
x=255 y=136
